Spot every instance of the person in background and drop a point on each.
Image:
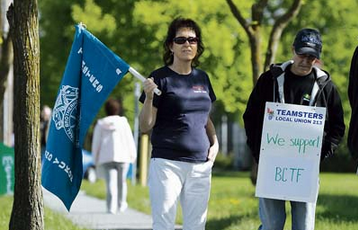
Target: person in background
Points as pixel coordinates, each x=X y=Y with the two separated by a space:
x=353 y=99
x=299 y=75
x=113 y=150
x=183 y=136
x=45 y=119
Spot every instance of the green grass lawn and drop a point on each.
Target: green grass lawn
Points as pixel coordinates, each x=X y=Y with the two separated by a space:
x=53 y=220
x=233 y=205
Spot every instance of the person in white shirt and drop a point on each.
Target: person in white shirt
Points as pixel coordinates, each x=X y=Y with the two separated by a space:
x=113 y=149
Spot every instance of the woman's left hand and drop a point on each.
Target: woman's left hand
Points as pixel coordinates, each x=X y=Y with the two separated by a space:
x=213 y=151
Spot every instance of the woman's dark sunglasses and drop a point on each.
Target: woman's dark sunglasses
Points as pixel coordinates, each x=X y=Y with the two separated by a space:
x=182 y=40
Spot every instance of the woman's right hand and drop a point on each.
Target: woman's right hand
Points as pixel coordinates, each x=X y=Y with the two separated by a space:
x=148 y=113
x=148 y=87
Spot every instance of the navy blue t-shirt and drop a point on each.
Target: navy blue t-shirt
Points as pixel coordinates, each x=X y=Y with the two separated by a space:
x=183 y=110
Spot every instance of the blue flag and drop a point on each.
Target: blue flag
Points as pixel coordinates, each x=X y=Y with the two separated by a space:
x=91 y=73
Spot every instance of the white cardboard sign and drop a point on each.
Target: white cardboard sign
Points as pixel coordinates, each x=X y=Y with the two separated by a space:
x=290 y=152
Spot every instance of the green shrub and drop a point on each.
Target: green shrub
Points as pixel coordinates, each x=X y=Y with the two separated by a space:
x=223 y=162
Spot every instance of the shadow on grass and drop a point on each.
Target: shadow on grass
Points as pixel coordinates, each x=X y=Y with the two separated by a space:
x=338 y=208
x=231 y=173
x=223 y=223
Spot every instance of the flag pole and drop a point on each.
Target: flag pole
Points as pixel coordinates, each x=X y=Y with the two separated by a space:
x=142 y=79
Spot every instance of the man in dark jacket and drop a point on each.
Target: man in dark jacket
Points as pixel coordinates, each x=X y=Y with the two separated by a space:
x=353 y=99
x=297 y=81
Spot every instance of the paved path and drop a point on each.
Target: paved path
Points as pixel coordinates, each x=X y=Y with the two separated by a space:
x=91 y=213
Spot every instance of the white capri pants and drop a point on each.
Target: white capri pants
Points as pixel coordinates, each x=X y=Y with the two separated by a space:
x=170 y=181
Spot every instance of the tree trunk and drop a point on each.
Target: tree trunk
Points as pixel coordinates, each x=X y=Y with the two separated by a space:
x=255 y=45
x=276 y=32
x=253 y=31
x=27 y=211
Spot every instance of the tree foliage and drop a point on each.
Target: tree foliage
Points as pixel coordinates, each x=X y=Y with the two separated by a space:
x=254 y=25
x=135 y=29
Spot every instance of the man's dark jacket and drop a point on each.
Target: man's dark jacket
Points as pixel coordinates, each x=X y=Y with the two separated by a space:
x=266 y=89
x=353 y=99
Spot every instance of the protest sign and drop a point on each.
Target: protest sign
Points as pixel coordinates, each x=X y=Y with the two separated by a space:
x=290 y=152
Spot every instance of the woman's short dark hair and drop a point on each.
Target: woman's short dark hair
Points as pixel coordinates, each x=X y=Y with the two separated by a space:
x=113 y=107
x=177 y=24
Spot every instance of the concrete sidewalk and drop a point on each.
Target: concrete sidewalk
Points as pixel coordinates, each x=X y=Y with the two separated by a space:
x=91 y=213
